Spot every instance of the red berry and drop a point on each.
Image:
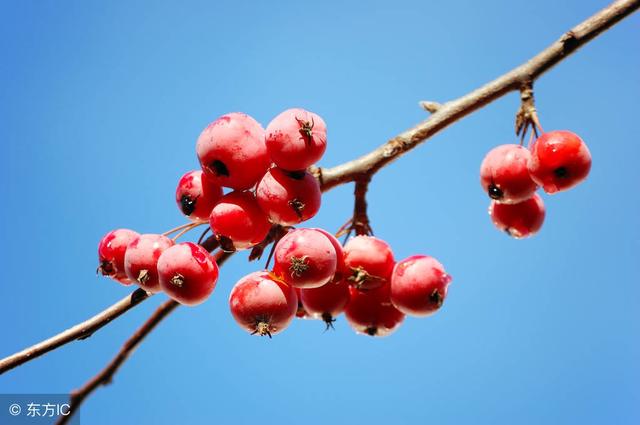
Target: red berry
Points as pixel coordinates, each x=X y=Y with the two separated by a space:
x=504 y=174
x=232 y=151
x=327 y=301
x=370 y=312
x=419 y=285
x=519 y=220
x=305 y=258
x=369 y=261
x=301 y=313
x=559 y=161
x=289 y=197
x=262 y=304
x=196 y=195
x=187 y=273
x=238 y=222
x=341 y=268
x=296 y=139
x=111 y=251
x=141 y=260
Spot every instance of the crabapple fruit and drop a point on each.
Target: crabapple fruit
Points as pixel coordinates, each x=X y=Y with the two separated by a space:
x=196 y=195
x=327 y=301
x=340 y=265
x=262 y=304
x=232 y=151
x=141 y=260
x=504 y=174
x=111 y=252
x=418 y=285
x=238 y=222
x=187 y=273
x=288 y=197
x=296 y=139
x=305 y=258
x=370 y=312
x=519 y=220
x=369 y=261
x=559 y=161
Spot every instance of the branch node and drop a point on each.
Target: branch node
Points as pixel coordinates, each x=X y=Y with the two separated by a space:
x=430 y=106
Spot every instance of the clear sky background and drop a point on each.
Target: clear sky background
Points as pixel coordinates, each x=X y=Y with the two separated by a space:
x=100 y=107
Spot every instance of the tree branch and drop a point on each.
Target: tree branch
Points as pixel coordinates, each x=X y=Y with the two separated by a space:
x=456 y=109
x=105 y=376
x=370 y=163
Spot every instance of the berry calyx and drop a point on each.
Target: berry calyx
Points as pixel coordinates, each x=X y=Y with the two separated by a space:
x=288 y=198
x=327 y=301
x=111 y=252
x=305 y=258
x=232 y=151
x=419 y=285
x=369 y=261
x=504 y=174
x=187 y=273
x=141 y=260
x=519 y=220
x=296 y=139
x=371 y=313
x=263 y=305
x=196 y=195
x=238 y=222
x=559 y=161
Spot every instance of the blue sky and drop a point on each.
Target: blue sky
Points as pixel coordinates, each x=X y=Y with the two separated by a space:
x=101 y=104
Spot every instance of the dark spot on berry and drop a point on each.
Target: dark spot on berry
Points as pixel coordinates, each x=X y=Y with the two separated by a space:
x=218 y=168
x=106 y=268
x=494 y=192
x=187 y=205
x=226 y=243
x=298 y=266
x=306 y=129
x=371 y=331
x=436 y=298
x=297 y=175
x=561 y=172
x=177 y=280
x=297 y=206
x=328 y=321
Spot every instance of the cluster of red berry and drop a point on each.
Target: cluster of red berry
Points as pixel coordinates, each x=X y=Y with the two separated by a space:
x=511 y=174
x=312 y=276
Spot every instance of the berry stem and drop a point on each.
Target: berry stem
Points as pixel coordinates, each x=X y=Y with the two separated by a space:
x=182 y=226
x=187 y=228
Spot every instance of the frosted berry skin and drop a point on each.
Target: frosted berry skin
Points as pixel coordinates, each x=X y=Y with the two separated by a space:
x=232 y=151
x=196 y=195
x=289 y=198
x=111 y=251
x=369 y=262
x=305 y=258
x=559 y=161
x=519 y=220
x=263 y=305
x=504 y=174
x=141 y=260
x=238 y=222
x=327 y=301
x=187 y=273
x=296 y=139
x=371 y=312
x=418 y=285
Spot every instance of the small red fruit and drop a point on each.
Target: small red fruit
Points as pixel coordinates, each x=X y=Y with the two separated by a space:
x=111 y=251
x=370 y=312
x=141 y=260
x=238 y=222
x=296 y=139
x=559 y=161
x=232 y=151
x=369 y=261
x=327 y=301
x=305 y=258
x=419 y=285
x=504 y=174
x=289 y=197
x=263 y=305
x=196 y=195
x=341 y=268
x=187 y=273
x=519 y=220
